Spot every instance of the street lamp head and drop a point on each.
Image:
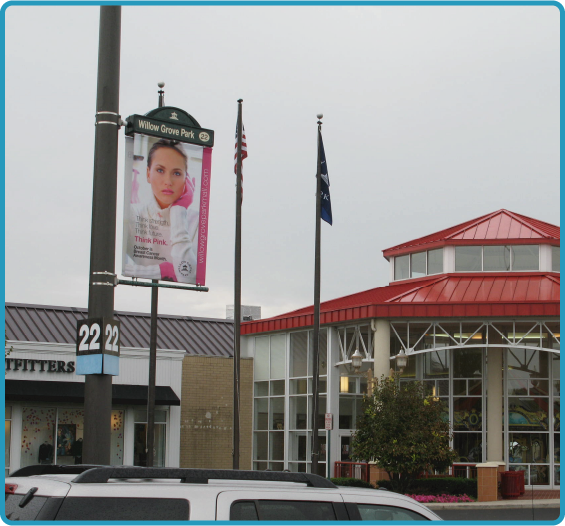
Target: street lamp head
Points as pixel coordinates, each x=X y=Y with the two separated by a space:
x=401 y=360
x=357 y=360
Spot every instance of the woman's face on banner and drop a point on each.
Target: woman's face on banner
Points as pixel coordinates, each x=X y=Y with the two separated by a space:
x=166 y=175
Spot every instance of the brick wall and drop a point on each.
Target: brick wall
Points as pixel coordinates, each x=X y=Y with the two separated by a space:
x=206 y=439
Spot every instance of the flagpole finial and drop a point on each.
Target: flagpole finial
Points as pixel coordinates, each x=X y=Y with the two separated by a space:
x=320 y=117
x=161 y=85
x=240 y=100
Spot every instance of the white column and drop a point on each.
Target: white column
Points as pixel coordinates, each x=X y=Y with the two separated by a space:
x=333 y=396
x=173 y=446
x=494 y=405
x=381 y=347
x=128 y=435
x=16 y=438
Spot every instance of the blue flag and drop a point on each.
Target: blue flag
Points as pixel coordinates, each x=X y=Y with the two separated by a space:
x=326 y=211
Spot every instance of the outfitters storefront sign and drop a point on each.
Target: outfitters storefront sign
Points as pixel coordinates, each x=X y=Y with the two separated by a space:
x=166 y=197
x=40 y=366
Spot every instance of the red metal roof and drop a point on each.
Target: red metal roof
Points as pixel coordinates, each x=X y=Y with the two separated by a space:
x=447 y=295
x=500 y=226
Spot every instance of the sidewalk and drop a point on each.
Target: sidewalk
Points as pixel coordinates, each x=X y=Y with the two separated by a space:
x=540 y=499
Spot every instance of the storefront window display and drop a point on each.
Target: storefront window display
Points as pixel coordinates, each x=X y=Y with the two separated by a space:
x=55 y=436
x=38 y=433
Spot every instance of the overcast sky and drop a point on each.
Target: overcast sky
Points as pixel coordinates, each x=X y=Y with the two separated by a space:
x=432 y=116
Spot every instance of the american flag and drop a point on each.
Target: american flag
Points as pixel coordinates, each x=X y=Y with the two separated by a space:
x=243 y=155
x=243 y=149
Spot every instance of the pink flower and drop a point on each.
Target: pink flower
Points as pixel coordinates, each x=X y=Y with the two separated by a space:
x=441 y=498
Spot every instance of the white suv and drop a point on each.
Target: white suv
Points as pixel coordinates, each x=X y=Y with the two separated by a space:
x=117 y=493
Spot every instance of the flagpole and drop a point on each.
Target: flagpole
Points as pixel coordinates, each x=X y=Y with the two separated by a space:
x=316 y=342
x=237 y=294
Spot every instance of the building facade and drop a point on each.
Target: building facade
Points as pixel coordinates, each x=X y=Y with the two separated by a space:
x=44 y=398
x=471 y=311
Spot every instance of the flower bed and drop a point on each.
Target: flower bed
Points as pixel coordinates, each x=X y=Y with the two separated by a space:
x=441 y=498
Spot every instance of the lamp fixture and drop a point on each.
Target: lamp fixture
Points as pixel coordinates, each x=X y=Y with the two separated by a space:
x=401 y=360
x=357 y=360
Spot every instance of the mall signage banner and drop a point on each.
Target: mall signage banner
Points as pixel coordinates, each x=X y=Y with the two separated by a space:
x=166 y=197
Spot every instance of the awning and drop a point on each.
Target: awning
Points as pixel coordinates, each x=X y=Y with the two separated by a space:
x=35 y=391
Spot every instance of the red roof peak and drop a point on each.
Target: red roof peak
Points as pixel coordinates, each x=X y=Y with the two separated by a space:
x=501 y=225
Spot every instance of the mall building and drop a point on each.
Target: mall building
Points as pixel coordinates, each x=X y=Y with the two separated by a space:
x=471 y=311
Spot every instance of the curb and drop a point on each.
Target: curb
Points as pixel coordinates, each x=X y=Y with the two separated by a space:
x=537 y=503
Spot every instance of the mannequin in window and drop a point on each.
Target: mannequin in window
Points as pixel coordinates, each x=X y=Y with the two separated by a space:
x=45 y=453
x=76 y=451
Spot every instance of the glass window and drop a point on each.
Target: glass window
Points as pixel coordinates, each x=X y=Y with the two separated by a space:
x=526 y=364
x=261 y=361
x=243 y=511
x=276 y=443
x=261 y=388
x=435 y=261
x=528 y=414
x=298 y=413
x=38 y=424
x=28 y=513
x=122 y=508
x=274 y=510
x=467 y=363
x=528 y=448
x=418 y=265
x=378 y=512
x=525 y=257
x=277 y=388
x=401 y=267
x=436 y=364
x=299 y=354
x=469 y=447
x=467 y=413
x=140 y=445
x=261 y=446
x=555 y=259
x=278 y=358
x=468 y=259
x=261 y=413
x=277 y=414
x=496 y=258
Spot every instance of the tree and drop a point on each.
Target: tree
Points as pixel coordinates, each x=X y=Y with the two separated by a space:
x=403 y=432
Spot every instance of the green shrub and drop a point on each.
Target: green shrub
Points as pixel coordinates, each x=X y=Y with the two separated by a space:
x=439 y=486
x=344 y=481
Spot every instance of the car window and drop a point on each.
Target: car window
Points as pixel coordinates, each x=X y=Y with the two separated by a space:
x=282 y=510
x=377 y=512
x=122 y=509
x=28 y=513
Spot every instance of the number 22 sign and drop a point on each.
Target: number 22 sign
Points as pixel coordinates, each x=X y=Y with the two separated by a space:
x=98 y=346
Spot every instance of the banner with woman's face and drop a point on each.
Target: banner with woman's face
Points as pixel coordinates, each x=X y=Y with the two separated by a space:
x=166 y=205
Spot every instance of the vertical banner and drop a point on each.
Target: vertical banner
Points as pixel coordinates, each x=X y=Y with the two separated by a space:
x=166 y=205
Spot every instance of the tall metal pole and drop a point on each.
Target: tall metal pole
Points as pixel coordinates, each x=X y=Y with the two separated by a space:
x=316 y=341
x=150 y=436
x=237 y=294
x=98 y=387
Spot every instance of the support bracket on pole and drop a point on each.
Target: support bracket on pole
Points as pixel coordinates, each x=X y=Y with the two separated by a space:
x=112 y=281
x=160 y=285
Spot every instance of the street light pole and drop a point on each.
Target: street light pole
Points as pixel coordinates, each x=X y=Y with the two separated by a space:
x=98 y=387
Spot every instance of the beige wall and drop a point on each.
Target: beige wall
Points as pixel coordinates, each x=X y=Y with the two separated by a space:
x=206 y=439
